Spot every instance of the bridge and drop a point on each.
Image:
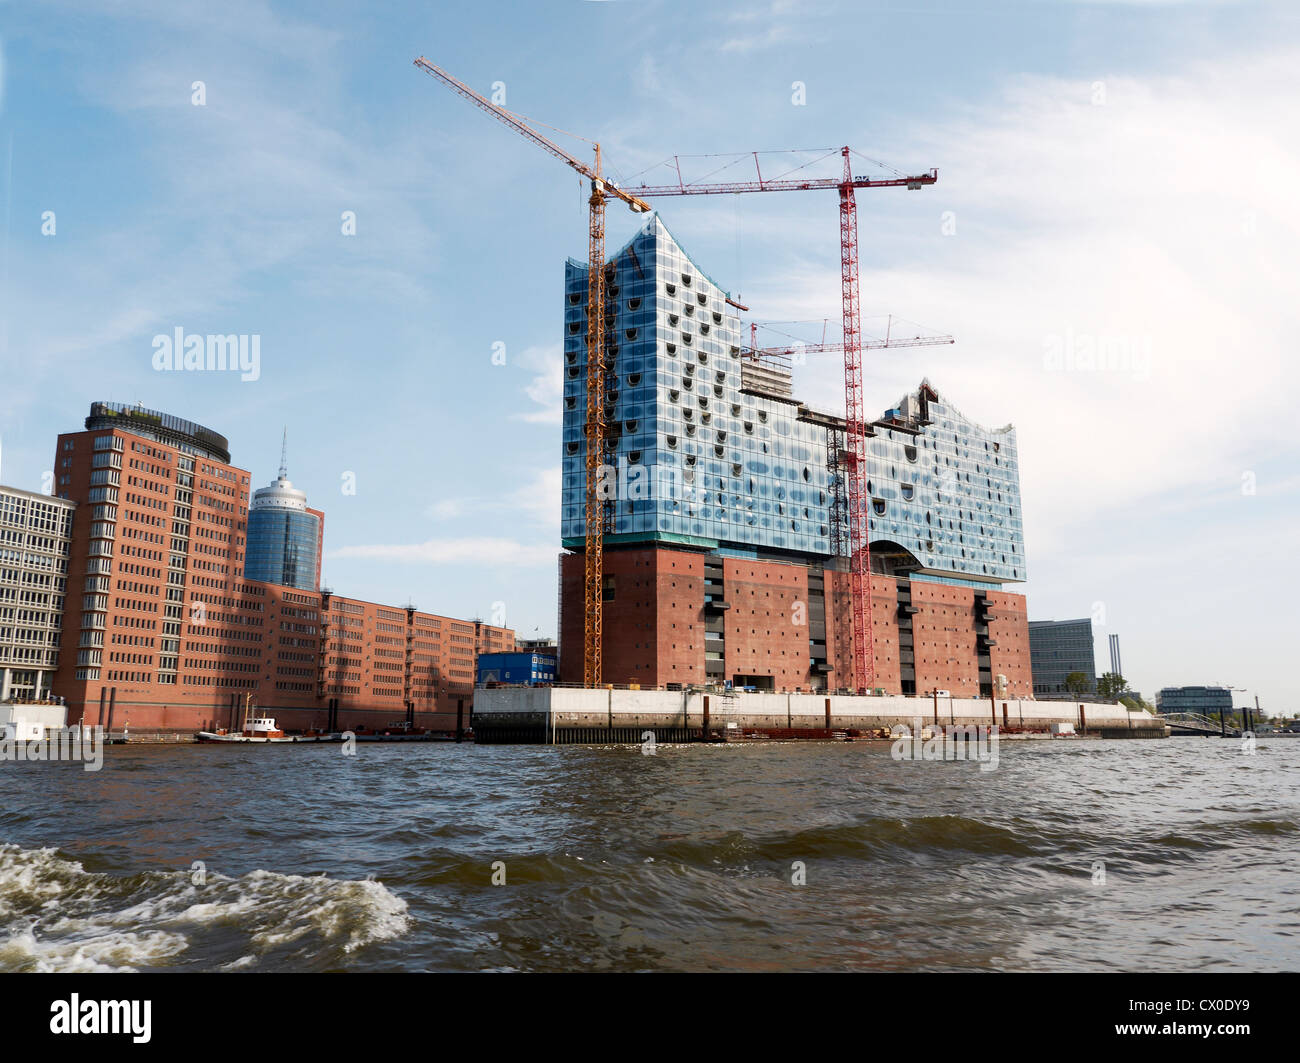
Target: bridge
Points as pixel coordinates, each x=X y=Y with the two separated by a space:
x=1193 y=723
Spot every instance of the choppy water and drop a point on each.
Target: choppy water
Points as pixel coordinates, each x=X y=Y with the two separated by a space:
x=680 y=861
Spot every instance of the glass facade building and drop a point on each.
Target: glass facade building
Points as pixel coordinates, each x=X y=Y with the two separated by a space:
x=284 y=538
x=710 y=449
x=1207 y=701
x=1056 y=649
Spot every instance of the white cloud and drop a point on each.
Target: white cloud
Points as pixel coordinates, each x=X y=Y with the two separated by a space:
x=546 y=388
x=536 y=501
x=1155 y=223
x=447 y=508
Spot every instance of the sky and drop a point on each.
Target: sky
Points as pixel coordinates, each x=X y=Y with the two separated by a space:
x=1111 y=241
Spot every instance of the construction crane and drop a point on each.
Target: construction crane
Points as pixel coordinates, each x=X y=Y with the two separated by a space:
x=599 y=513
x=859 y=544
x=835 y=453
x=801 y=346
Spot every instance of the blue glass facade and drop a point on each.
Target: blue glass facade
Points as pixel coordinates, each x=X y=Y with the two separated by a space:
x=283 y=548
x=1058 y=649
x=707 y=455
x=1207 y=701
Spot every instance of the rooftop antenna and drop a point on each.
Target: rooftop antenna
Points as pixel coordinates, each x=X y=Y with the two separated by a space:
x=284 y=455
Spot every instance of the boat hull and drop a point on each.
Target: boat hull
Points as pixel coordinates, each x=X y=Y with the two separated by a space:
x=259 y=740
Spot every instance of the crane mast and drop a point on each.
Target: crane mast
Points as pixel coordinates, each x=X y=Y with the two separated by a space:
x=599 y=511
x=859 y=519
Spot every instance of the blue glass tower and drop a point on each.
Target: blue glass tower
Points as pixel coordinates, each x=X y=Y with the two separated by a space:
x=713 y=451
x=283 y=537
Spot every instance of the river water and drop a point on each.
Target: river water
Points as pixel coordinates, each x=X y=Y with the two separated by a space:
x=1176 y=855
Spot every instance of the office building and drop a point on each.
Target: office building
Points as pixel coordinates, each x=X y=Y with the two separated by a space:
x=1058 y=649
x=35 y=538
x=284 y=536
x=1205 y=701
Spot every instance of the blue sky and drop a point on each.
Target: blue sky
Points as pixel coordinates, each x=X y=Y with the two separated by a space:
x=1118 y=174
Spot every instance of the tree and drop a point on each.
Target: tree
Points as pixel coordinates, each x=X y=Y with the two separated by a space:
x=1076 y=683
x=1111 y=685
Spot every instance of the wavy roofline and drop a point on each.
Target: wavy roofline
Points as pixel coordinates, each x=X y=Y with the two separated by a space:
x=585 y=266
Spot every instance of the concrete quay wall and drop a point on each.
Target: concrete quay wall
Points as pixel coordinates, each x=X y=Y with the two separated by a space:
x=534 y=713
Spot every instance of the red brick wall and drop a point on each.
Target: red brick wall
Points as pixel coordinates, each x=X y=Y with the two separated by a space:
x=679 y=583
x=884 y=614
x=654 y=627
x=569 y=668
x=839 y=630
x=943 y=632
x=884 y=602
x=762 y=635
x=1009 y=627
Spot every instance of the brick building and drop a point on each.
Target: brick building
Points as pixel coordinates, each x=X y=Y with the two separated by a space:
x=688 y=617
x=163 y=632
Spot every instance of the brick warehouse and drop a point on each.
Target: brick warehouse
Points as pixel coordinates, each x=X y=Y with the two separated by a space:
x=754 y=621
x=726 y=562
x=163 y=632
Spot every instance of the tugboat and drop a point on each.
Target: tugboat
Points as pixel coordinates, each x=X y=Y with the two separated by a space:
x=256 y=729
x=261 y=730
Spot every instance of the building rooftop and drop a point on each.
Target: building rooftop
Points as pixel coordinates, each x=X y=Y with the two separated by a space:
x=163 y=427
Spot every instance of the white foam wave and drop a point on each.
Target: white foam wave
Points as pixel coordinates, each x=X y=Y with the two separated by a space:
x=60 y=917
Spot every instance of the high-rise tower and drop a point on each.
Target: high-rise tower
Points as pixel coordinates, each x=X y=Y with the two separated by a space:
x=284 y=535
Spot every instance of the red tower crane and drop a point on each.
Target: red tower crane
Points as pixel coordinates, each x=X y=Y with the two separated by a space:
x=864 y=664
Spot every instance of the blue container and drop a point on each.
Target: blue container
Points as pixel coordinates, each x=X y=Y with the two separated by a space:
x=517 y=669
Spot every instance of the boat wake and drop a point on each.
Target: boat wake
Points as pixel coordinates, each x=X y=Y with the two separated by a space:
x=57 y=916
